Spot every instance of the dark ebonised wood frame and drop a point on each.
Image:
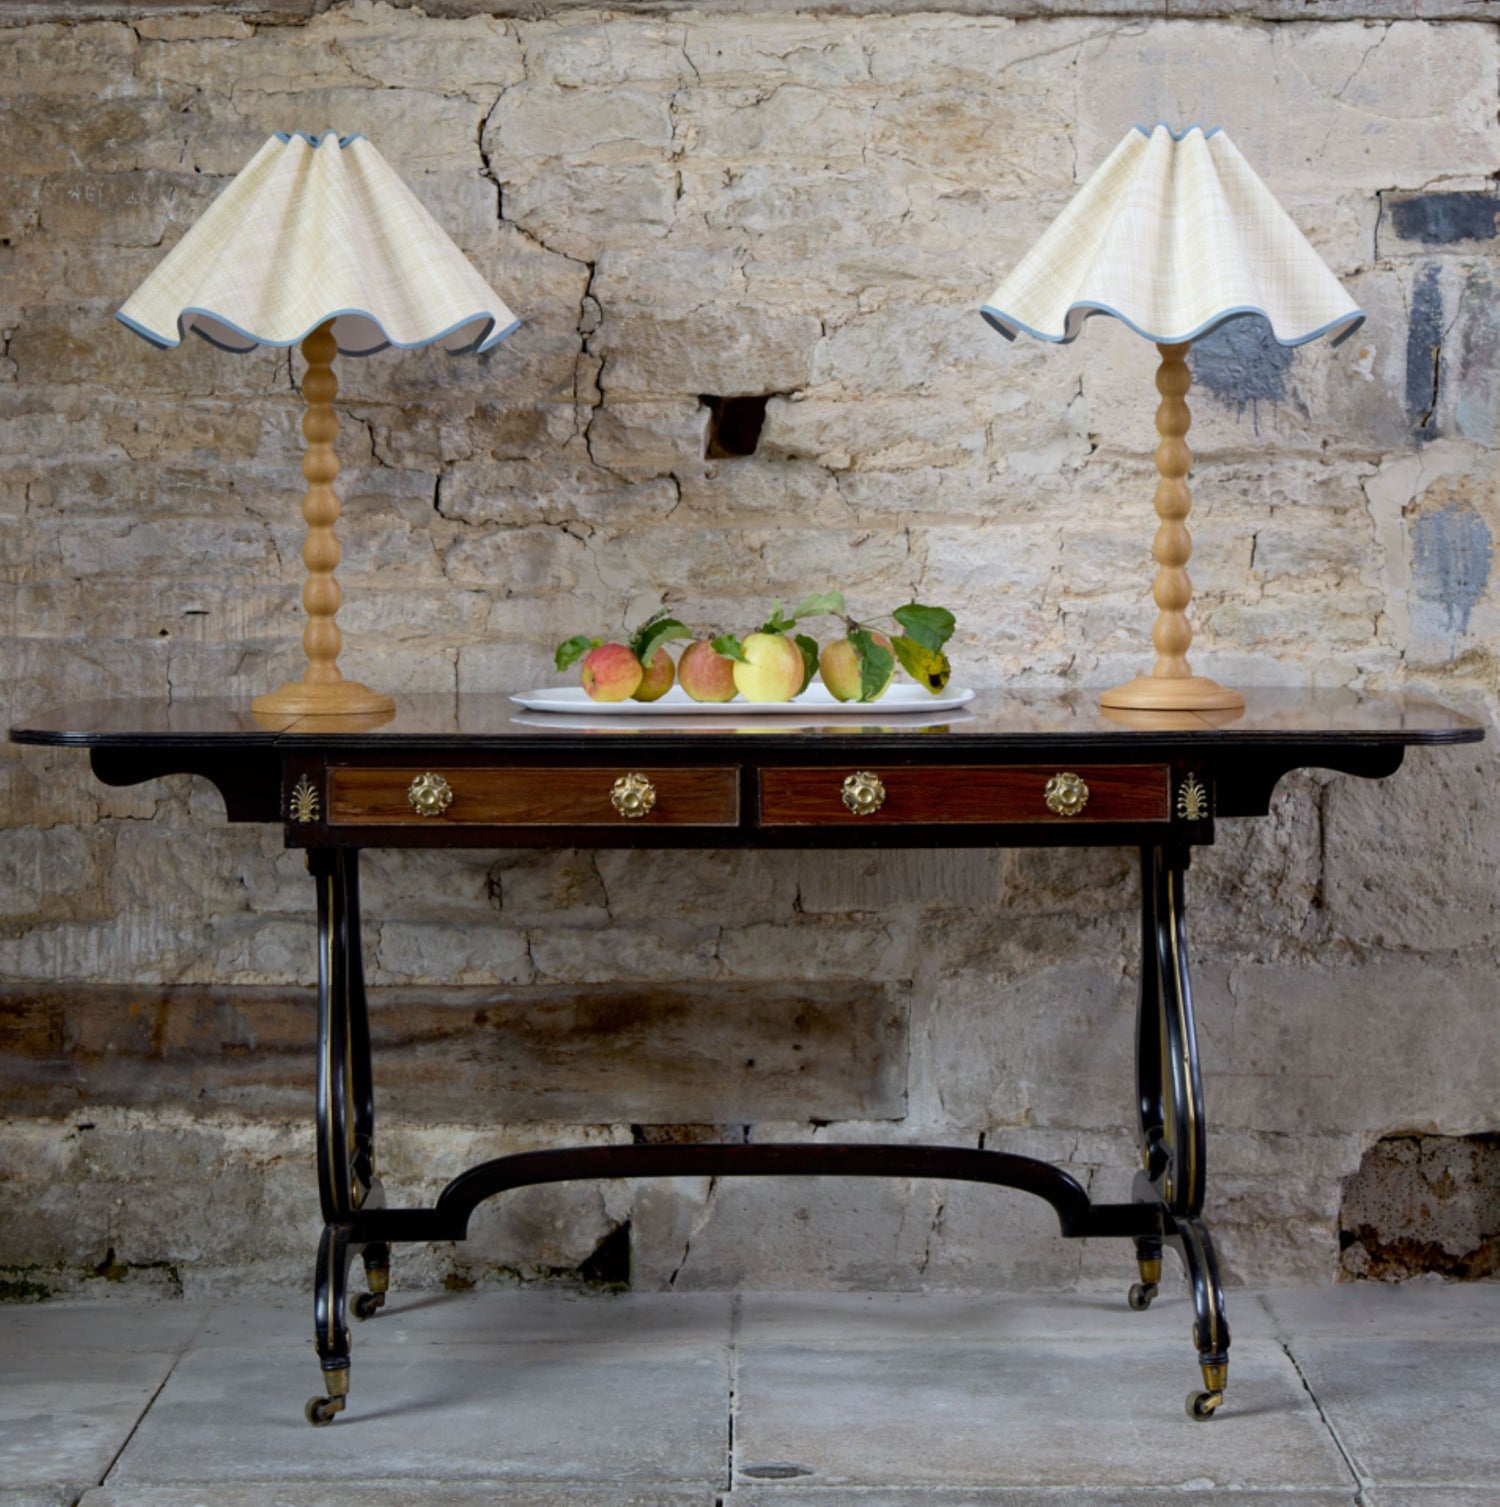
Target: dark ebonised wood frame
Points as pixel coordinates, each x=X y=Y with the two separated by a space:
x=1235 y=769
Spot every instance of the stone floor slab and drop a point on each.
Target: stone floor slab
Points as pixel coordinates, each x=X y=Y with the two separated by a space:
x=40 y=1496
x=400 y=1494
x=537 y=1412
x=488 y=1318
x=936 y=1318
x=1410 y=1412
x=1422 y=1309
x=1431 y=1496
x=64 y=1414
x=1054 y=1413
x=59 y=1327
x=1067 y=1496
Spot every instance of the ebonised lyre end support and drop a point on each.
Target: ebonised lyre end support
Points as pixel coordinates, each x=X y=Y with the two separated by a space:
x=1044 y=769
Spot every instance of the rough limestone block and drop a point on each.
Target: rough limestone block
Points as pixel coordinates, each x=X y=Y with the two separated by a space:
x=1431 y=824
x=1366 y=105
x=648 y=1055
x=837 y=882
x=396 y=48
x=649 y=438
x=592 y=127
x=760 y=351
x=101 y=56
x=1304 y=1047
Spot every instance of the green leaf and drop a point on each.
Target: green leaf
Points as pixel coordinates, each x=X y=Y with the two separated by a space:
x=931 y=627
x=729 y=646
x=809 y=648
x=778 y=622
x=876 y=663
x=638 y=638
x=928 y=667
x=818 y=604
x=573 y=649
x=659 y=631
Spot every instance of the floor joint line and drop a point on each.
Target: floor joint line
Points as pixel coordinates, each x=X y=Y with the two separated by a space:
x=1359 y=1481
x=114 y=1459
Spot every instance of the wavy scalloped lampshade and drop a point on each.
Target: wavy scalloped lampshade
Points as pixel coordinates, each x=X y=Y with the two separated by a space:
x=319 y=242
x=314 y=229
x=1173 y=235
x=317 y=229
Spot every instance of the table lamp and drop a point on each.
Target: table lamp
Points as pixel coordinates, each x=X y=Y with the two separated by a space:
x=319 y=242
x=1173 y=235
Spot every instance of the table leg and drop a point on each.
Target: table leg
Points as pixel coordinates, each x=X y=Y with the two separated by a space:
x=1173 y=1133
x=1150 y=1102
x=376 y=1255
x=345 y=1126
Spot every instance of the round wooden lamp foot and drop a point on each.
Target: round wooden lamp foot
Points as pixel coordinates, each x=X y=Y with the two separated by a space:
x=1173 y=693
x=343 y=698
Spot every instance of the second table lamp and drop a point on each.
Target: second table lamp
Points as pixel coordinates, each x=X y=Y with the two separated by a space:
x=1173 y=235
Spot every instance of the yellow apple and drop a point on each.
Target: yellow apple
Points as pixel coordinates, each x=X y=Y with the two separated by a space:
x=771 y=670
x=657 y=680
x=839 y=665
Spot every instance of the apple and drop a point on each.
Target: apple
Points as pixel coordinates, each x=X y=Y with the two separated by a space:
x=771 y=669
x=839 y=664
x=704 y=673
x=657 y=679
x=611 y=673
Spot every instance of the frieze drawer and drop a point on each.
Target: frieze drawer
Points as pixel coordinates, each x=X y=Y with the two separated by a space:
x=898 y=794
x=470 y=797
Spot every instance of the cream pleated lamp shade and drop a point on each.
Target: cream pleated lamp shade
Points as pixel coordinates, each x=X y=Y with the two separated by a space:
x=1173 y=234
x=313 y=229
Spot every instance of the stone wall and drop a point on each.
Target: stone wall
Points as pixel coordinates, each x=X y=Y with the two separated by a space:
x=736 y=200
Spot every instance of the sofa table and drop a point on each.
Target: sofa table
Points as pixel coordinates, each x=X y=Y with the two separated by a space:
x=1009 y=770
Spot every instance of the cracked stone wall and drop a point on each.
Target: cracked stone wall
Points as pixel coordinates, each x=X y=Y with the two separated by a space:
x=737 y=200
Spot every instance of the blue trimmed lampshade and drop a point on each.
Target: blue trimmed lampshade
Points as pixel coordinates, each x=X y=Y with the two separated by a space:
x=317 y=228
x=1173 y=234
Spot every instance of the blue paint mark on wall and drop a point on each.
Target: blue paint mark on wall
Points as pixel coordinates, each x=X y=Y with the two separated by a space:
x=1241 y=364
x=1424 y=354
x=1444 y=219
x=1451 y=553
x=1476 y=405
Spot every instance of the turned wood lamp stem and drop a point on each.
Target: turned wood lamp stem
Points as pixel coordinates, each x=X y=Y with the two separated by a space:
x=1171 y=685
x=322 y=691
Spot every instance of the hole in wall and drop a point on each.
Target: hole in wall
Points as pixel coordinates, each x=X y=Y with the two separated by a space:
x=734 y=424
x=609 y=1263
x=1423 y=1204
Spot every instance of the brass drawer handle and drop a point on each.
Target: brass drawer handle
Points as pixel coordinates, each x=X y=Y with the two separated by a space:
x=429 y=794
x=1066 y=794
x=863 y=793
x=633 y=795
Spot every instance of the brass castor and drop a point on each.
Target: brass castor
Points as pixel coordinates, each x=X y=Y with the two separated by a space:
x=1201 y=1406
x=368 y=1304
x=1140 y=1295
x=321 y=1411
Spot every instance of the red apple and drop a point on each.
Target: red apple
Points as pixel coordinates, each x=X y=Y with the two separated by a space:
x=658 y=678
x=611 y=673
x=704 y=673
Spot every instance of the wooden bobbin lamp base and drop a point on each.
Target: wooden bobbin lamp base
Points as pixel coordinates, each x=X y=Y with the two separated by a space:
x=1171 y=686
x=322 y=691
